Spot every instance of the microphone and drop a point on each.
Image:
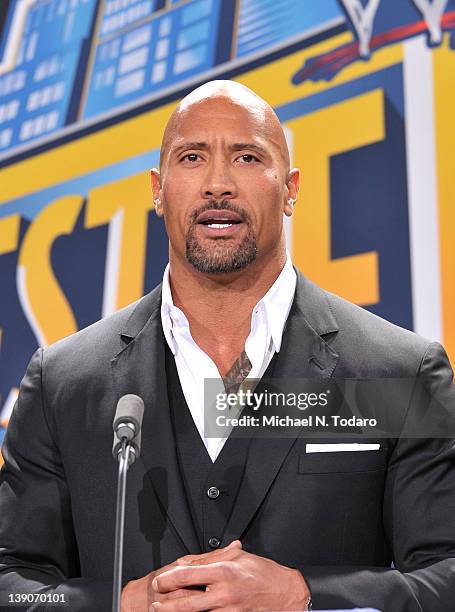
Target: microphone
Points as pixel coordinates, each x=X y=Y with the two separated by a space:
x=126 y=449
x=127 y=426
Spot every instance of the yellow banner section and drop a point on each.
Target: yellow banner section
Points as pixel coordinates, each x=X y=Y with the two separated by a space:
x=42 y=297
x=124 y=205
x=351 y=124
x=9 y=233
x=444 y=81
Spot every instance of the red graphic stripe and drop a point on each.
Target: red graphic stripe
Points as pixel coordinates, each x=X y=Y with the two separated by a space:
x=332 y=62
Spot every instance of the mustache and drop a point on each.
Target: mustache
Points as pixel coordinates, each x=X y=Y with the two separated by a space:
x=220 y=205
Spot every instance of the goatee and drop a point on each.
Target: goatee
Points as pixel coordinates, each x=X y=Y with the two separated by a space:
x=222 y=255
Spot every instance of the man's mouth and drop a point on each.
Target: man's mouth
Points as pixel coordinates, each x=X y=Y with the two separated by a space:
x=219 y=220
x=220 y=223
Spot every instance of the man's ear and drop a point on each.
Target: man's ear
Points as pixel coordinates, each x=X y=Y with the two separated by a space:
x=155 y=180
x=292 y=184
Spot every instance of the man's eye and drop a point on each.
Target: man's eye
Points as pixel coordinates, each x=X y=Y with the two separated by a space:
x=247 y=158
x=191 y=157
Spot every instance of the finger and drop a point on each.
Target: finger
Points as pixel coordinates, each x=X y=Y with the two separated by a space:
x=229 y=555
x=175 y=594
x=196 y=603
x=219 y=552
x=184 y=576
x=212 y=556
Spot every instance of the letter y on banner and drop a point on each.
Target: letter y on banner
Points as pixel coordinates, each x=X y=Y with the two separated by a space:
x=432 y=12
x=362 y=19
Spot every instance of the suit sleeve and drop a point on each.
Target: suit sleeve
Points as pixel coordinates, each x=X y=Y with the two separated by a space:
x=418 y=512
x=38 y=548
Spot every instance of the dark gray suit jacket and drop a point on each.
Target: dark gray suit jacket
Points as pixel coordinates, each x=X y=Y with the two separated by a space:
x=342 y=520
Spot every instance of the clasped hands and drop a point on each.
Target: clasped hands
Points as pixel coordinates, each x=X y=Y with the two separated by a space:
x=228 y=579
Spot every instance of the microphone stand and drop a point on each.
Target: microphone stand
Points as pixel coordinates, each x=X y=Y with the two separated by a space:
x=126 y=456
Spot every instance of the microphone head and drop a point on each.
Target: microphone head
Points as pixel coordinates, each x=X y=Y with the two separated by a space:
x=130 y=410
x=128 y=422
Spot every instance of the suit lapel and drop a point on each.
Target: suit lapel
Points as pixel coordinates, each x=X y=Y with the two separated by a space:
x=140 y=368
x=305 y=353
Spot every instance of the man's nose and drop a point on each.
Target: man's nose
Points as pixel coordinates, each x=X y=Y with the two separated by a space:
x=219 y=182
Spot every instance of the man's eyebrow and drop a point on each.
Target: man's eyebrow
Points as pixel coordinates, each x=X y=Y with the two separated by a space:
x=204 y=146
x=240 y=146
x=191 y=145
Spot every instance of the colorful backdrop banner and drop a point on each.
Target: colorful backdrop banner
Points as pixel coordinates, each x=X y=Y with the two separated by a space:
x=365 y=91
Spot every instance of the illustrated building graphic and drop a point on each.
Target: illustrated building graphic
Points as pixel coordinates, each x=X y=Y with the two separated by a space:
x=68 y=61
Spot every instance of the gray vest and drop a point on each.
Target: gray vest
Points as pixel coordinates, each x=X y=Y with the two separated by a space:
x=211 y=488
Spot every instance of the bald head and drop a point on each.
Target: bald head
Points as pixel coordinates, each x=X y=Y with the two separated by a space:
x=240 y=99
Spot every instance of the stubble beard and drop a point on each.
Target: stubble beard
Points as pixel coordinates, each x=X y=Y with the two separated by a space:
x=220 y=255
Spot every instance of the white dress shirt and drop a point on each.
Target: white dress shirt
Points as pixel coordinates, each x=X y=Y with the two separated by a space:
x=193 y=365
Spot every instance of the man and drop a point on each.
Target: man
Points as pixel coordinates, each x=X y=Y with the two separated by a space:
x=216 y=524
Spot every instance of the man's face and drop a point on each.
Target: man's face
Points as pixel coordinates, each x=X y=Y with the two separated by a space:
x=224 y=185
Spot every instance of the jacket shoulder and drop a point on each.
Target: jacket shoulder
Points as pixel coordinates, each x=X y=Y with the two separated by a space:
x=366 y=343
x=373 y=342
x=105 y=338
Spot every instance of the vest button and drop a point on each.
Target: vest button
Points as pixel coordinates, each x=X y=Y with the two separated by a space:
x=213 y=493
x=214 y=542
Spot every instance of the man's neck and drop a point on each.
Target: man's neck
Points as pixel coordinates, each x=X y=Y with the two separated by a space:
x=219 y=307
